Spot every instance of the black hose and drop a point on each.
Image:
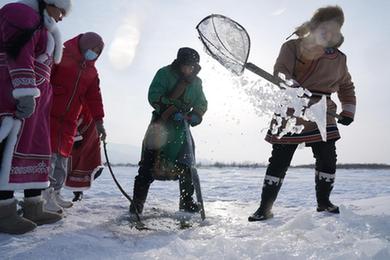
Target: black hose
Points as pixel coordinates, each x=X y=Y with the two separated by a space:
x=117 y=183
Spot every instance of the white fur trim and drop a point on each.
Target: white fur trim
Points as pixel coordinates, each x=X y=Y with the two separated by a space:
x=23 y=92
x=85 y=188
x=52 y=27
x=8 y=154
x=5 y=127
x=63 y=4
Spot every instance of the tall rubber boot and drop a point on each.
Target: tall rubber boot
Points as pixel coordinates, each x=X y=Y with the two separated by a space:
x=140 y=193
x=324 y=186
x=270 y=191
x=10 y=221
x=187 y=190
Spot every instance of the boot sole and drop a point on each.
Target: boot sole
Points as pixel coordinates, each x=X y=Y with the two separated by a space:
x=262 y=218
x=333 y=211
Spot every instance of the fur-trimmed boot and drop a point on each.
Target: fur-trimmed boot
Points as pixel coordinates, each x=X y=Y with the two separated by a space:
x=10 y=221
x=324 y=186
x=33 y=210
x=270 y=191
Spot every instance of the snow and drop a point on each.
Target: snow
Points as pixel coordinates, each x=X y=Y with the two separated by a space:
x=97 y=227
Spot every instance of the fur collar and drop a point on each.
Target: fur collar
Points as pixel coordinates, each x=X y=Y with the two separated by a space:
x=51 y=26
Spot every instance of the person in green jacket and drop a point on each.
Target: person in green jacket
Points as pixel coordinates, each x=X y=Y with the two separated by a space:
x=168 y=150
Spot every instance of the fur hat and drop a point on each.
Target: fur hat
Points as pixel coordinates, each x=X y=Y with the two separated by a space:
x=62 y=4
x=324 y=14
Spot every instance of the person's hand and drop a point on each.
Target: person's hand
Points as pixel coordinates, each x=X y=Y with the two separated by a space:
x=194 y=119
x=178 y=116
x=345 y=120
x=101 y=131
x=25 y=107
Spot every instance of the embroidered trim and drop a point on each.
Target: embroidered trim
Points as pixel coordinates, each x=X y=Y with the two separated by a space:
x=327 y=177
x=271 y=180
x=23 y=82
x=41 y=168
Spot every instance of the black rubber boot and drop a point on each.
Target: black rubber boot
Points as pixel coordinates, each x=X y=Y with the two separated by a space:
x=270 y=191
x=324 y=186
x=187 y=203
x=140 y=193
x=78 y=196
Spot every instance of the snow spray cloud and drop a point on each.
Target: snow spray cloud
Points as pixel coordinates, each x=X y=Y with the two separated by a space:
x=283 y=104
x=124 y=46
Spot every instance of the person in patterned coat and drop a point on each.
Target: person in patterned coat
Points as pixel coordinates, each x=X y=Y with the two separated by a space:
x=30 y=43
x=314 y=62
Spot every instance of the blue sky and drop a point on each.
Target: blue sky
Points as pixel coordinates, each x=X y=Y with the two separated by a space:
x=142 y=36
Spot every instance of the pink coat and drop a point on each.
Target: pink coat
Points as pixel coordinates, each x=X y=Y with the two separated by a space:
x=26 y=143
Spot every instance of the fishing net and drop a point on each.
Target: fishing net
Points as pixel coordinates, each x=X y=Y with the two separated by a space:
x=226 y=41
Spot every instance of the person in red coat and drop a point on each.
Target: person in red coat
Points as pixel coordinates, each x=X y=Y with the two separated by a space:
x=75 y=83
x=85 y=163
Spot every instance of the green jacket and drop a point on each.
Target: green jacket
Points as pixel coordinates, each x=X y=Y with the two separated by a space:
x=177 y=135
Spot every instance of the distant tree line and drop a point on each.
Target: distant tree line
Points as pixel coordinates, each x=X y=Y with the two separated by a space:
x=373 y=166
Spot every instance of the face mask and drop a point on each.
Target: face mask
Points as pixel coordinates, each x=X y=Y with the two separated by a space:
x=90 y=55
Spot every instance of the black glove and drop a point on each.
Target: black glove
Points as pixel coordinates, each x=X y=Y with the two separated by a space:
x=25 y=107
x=194 y=118
x=345 y=120
x=101 y=130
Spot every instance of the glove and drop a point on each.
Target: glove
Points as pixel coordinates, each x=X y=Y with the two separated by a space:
x=194 y=119
x=101 y=131
x=25 y=107
x=345 y=120
x=178 y=116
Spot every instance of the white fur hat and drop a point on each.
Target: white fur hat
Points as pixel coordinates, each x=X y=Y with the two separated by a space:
x=62 y=4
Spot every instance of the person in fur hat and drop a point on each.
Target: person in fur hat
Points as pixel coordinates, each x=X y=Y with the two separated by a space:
x=29 y=44
x=75 y=84
x=168 y=148
x=314 y=62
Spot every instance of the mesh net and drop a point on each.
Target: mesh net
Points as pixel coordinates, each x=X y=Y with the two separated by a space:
x=226 y=41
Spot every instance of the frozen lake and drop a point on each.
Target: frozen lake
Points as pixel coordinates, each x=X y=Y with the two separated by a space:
x=97 y=228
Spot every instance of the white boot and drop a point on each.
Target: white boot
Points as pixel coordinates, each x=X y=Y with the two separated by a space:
x=50 y=204
x=61 y=201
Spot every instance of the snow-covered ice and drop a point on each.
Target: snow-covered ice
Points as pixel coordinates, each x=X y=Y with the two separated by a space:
x=97 y=228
